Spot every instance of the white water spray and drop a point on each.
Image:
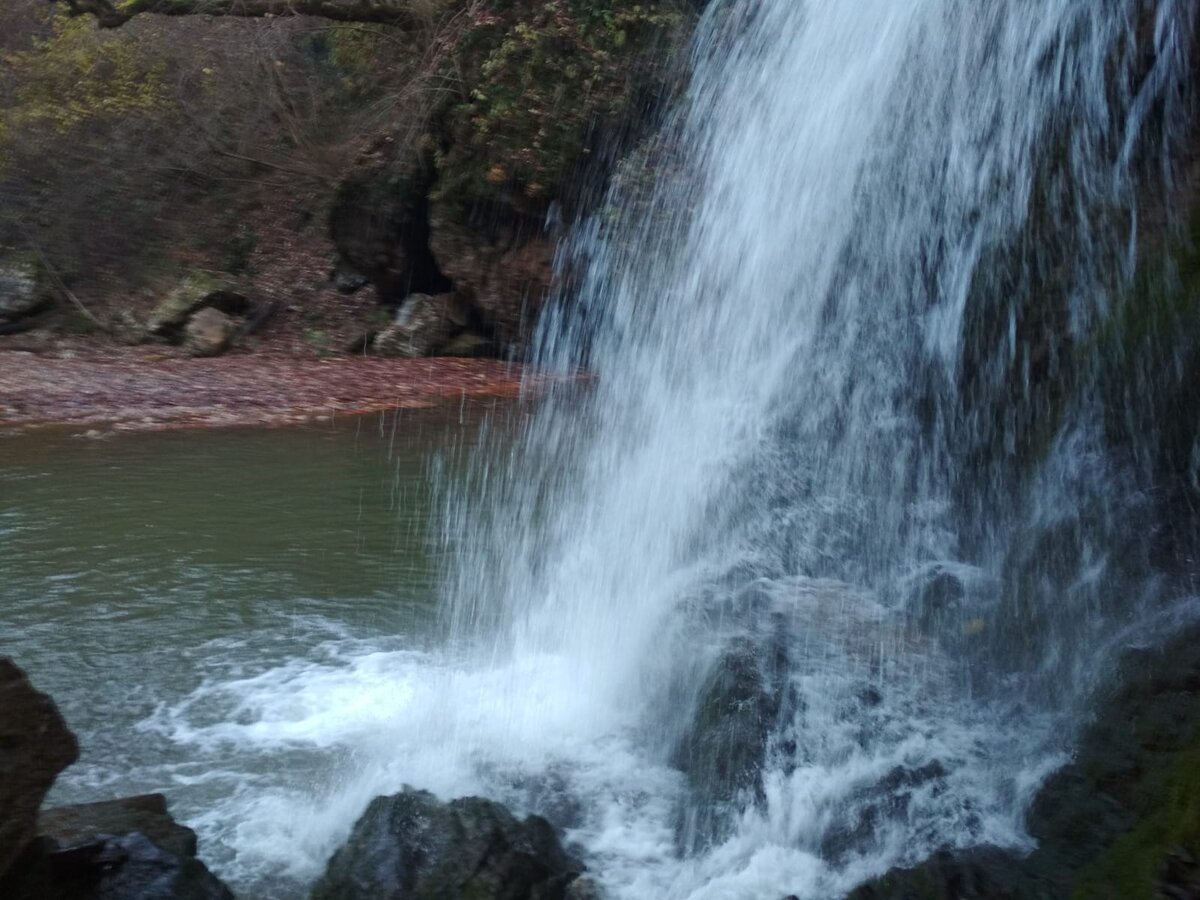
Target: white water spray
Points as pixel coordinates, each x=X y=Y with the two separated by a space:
x=813 y=374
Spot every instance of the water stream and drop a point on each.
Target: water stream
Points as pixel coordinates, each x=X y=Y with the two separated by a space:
x=843 y=465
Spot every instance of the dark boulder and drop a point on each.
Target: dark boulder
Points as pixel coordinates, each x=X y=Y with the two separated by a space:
x=347 y=280
x=110 y=867
x=411 y=846
x=741 y=702
x=379 y=224
x=982 y=874
x=1119 y=821
x=128 y=849
x=70 y=826
x=35 y=745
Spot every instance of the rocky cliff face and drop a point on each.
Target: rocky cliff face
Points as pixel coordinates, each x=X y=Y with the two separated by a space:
x=548 y=97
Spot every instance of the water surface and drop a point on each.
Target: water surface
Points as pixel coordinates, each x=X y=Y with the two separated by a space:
x=145 y=573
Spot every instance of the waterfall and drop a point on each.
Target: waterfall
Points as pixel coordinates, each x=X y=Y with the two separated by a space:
x=810 y=576
x=865 y=479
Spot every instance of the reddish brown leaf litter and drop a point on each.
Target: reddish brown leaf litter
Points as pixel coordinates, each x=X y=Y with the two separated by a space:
x=145 y=393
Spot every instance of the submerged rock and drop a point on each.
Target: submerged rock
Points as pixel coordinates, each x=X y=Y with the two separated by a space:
x=208 y=333
x=411 y=846
x=35 y=745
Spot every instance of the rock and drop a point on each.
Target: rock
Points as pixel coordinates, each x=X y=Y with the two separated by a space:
x=196 y=291
x=70 y=826
x=208 y=333
x=22 y=292
x=1118 y=821
x=380 y=225
x=421 y=328
x=583 y=888
x=111 y=867
x=411 y=846
x=127 y=849
x=346 y=280
x=506 y=275
x=430 y=326
x=982 y=874
x=723 y=752
x=35 y=745
x=468 y=343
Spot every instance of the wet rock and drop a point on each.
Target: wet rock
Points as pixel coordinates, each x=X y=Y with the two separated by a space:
x=413 y=846
x=981 y=874
x=583 y=889
x=1118 y=821
x=110 y=867
x=35 y=745
x=723 y=752
x=430 y=326
x=870 y=811
x=71 y=826
x=208 y=333
x=22 y=292
x=1179 y=876
x=197 y=291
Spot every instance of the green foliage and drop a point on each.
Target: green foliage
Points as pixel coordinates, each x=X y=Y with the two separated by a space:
x=1131 y=867
x=319 y=340
x=358 y=61
x=79 y=76
x=541 y=79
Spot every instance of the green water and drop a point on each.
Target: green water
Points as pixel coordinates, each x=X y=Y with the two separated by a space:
x=140 y=567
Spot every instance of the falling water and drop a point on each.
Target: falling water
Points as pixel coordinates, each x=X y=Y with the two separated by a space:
x=831 y=453
x=812 y=574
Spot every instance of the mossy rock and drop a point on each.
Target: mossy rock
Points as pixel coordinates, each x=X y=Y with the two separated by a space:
x=23 y=287
x=194 y=292
x=1120 y=822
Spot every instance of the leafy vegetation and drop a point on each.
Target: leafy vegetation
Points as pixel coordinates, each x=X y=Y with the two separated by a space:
x=129 y=154
x=549 y=82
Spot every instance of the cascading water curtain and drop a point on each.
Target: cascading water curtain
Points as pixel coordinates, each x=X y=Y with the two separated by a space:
x=837 y=496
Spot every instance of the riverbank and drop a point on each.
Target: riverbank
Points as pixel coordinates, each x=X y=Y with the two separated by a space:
x=144 y=388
